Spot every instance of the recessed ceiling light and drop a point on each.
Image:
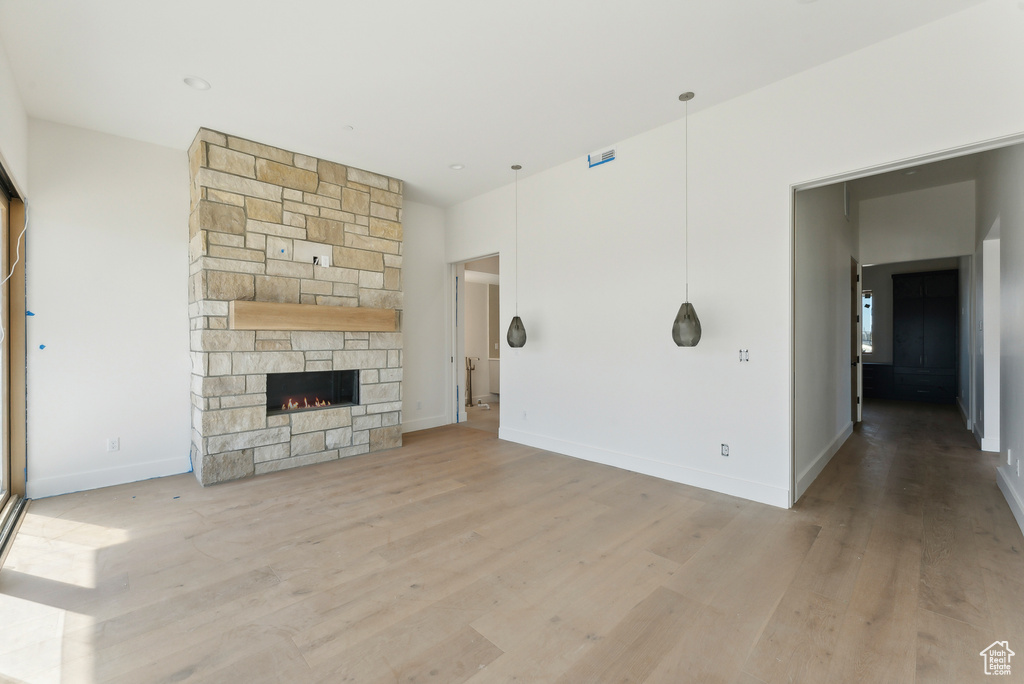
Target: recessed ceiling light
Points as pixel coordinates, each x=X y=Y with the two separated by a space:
x=197 y=83
x=456 y=167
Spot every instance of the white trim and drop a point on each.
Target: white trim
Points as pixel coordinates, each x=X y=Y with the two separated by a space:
x=753 y=491
x=964 y=413
x=990 y=444
x=424 y=423
x=899 y=164
x=39 y=488
x=1010 y=494
x=481 y=277
x=791 y=357
x=811 y=472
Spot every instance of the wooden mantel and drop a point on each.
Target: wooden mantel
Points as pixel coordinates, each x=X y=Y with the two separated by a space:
x=245 y=315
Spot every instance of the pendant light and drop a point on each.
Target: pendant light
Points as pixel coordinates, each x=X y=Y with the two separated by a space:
x=516 y=330
x=686 y=327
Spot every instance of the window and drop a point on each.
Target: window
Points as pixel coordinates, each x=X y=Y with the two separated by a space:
x=866 y=347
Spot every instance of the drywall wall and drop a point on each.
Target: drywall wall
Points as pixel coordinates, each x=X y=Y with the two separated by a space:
x=991 y=341
x=978 y=342
x=878 y=279
x=824 y=244
x=924 y=224
x=965 y=328
x=425 y=322
x=13 y=128
x=108 y=346
x=601 y=262
x=476 y=337
x=1001 y=202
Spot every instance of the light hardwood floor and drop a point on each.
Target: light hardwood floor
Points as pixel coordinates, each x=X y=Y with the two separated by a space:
x=481 y=418
x=460 y=557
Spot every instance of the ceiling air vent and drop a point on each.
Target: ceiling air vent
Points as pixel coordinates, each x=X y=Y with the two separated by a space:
x=601 y=157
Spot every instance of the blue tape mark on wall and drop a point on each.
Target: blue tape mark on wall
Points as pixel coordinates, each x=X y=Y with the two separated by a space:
x=42 y=346
x=29 y=313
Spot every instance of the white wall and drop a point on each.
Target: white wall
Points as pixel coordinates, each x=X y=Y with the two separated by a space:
x=476 y=338
x=13 y=128
x=878 y=279
x=978 y=342
x=965 y=265
x=986 y=328
x=107 y=275
x=991 y=339
x=425 y=323
x=602 y=247
x=924 y=224
x=1001 y=200
x=825 y=243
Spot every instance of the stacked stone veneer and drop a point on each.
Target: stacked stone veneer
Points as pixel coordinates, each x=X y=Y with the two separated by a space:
x=257 y=213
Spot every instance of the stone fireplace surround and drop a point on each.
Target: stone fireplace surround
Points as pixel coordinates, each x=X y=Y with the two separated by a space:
x=257 y=213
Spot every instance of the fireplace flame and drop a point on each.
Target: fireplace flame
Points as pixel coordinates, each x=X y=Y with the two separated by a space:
x=291 y=404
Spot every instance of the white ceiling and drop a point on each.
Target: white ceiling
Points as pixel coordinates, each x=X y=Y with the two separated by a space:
x=423 y=83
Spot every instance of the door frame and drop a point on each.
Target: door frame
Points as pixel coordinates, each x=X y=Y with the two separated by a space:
x=894 y=165
x=856 y=306
x=455 y=410
x=5 y=385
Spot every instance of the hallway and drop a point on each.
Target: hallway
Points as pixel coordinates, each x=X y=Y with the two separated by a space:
x=918 y=551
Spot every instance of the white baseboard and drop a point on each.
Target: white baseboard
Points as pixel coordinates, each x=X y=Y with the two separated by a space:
x=811 y=472
x=423 y=424
x=964 y=414
x=38 y=488
x=754 y=491
x=990 y=444
x=1011 y=496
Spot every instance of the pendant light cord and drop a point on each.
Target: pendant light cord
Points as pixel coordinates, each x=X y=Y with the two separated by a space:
x=517 y=242
x=686 y=191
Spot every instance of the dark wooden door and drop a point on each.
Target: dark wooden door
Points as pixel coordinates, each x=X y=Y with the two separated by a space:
x=925 y=318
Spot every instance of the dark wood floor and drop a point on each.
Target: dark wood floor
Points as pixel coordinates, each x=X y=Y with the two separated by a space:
x=460 y=557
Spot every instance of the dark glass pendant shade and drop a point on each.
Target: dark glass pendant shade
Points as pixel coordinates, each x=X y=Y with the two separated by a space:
x=685 y=329
x=517 y=333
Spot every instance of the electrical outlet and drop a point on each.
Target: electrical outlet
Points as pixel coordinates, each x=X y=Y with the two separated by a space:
x=113 y=443
x=1009 y=457
x=725 y=449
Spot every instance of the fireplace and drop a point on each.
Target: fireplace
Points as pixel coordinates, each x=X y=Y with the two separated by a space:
x=288 y=392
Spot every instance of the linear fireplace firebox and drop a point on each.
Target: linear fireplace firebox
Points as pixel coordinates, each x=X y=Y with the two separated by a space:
x=317 y=389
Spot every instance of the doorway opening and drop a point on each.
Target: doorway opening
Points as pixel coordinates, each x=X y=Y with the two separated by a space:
x=920 y=217
x=478 y=338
